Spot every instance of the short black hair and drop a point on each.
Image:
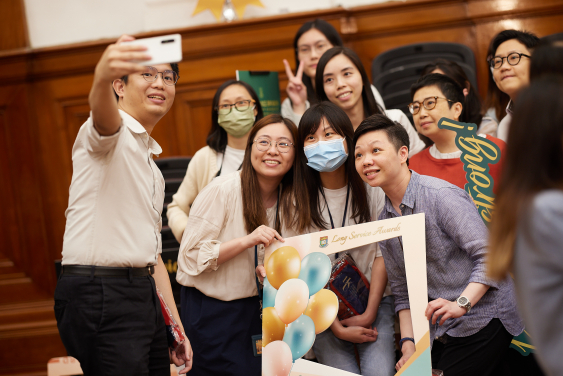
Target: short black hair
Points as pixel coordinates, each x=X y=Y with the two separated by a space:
x=174 y=66
x=528 y=39
x=396 y=133
x=447 y=86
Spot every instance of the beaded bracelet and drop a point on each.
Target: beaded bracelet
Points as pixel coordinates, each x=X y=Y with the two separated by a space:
x=405 y=339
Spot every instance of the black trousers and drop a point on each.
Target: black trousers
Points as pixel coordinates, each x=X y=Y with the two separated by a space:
x=220 y=333
x=480 y=354
x=112 y=325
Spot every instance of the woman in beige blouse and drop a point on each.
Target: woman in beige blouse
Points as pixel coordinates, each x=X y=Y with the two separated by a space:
x=229 y=222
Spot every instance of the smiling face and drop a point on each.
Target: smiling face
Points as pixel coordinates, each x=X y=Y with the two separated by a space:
x=310 y=47
x=377 y=160
x=511 y=79
x=343 y=82
x=324 y=132
x=271 y=163
x=146 y=101
x=426 y=121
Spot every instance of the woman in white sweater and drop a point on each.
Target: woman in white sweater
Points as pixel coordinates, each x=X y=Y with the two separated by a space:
x=230 y=222
x=235 y=109
x=342 y=80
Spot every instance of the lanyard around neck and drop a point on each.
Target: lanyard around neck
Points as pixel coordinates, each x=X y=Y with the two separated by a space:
x=345 y=208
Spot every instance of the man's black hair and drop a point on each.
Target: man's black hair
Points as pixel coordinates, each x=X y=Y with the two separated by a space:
x=125 y=78
x=396 y=133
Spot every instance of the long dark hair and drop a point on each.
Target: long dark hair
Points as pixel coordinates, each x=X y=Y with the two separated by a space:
x=254 y=211
x=533 y=162
x=472 y=101
x=370 y=105
x=331 y=35
x=309 y=185
x=217 y=136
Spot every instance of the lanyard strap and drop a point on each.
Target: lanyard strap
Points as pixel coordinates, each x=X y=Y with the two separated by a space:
x=260 y=292
x=221 y=168
x=345 y=210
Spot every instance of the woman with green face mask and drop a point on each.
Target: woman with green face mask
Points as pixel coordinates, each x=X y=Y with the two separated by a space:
x=234 y=111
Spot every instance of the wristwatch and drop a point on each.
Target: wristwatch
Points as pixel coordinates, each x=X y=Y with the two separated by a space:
x=463 y=302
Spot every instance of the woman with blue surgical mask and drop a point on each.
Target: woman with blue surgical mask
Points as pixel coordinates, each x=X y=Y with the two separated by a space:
x=235 y=109
x=331 y=195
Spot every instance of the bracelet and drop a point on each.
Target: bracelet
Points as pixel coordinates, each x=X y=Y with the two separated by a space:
x=405 y=339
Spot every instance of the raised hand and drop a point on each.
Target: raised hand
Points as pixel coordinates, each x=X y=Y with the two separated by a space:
x=296 y=89
x=116 y=61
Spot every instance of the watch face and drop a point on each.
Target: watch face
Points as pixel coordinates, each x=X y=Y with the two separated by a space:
x=462 y=300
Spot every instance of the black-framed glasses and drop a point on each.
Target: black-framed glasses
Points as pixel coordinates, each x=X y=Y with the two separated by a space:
x=428 y=103
x=512 y=58
x=169 y=77
x=264 y=144
x=244 y=105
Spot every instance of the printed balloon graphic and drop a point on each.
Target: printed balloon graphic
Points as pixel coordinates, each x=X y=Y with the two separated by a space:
x=283 y=264
x=272 y=327
x=300 y=335
x=291 y=300
x=269 y=294
x=322 y=309
x=315 y=271
x=276 y=359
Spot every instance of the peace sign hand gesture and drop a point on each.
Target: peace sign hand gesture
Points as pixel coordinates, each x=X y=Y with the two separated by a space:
x=296 y=90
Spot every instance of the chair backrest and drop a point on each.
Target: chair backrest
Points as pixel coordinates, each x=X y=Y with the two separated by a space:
x=394 y=71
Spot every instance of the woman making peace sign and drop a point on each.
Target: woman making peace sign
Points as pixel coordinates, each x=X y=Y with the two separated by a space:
x=310 y=42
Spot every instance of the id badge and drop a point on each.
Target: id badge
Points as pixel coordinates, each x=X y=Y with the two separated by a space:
x=257 y=344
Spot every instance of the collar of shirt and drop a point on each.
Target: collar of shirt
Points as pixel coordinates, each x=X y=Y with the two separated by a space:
x=510 y=107
x=137 y=128
x=408 y=199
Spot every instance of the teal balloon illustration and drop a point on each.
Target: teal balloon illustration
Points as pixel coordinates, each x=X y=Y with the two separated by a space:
x=315 y=271
x=300 y=336
x=269 y=298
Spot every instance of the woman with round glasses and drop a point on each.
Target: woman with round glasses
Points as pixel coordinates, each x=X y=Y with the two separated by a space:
x=235 y=108
x=510 y=67
x=230 y=221
x=436 y=96
x=342 y=80
x=334 y=196
x=311 y=40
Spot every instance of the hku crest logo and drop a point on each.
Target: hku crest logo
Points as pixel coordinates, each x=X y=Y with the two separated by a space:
x=323 y=242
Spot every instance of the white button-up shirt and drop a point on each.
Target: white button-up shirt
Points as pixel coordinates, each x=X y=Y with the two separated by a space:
x=116 y=198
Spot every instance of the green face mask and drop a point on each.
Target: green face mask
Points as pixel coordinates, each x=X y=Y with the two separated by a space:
x=237 y=123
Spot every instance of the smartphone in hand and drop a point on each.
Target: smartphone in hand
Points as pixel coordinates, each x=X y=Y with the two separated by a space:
x=163 y=49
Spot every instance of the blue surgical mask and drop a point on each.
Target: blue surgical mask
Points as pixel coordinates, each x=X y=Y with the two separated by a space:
x=326 y=156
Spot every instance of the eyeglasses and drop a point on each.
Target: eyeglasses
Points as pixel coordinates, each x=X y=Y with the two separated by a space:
x=428 y=103
x=244 y=105
x=512 y=59
x=169 y=77
x=319 y=47
x=264 y=144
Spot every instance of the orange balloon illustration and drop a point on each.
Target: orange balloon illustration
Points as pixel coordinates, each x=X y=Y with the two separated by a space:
x=272 y=327
x=283 y=264
x=322 y=308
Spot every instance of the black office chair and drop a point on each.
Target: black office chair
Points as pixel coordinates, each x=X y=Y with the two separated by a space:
x=394 y=71
x=173 y=167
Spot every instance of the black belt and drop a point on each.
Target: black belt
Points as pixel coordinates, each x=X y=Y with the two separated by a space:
x=106 y=271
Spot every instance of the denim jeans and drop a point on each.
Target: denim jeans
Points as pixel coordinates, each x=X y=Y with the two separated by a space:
x=376 y=358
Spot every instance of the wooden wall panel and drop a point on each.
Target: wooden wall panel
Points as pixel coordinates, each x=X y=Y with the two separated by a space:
x=44 y=101
x=13 y=25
